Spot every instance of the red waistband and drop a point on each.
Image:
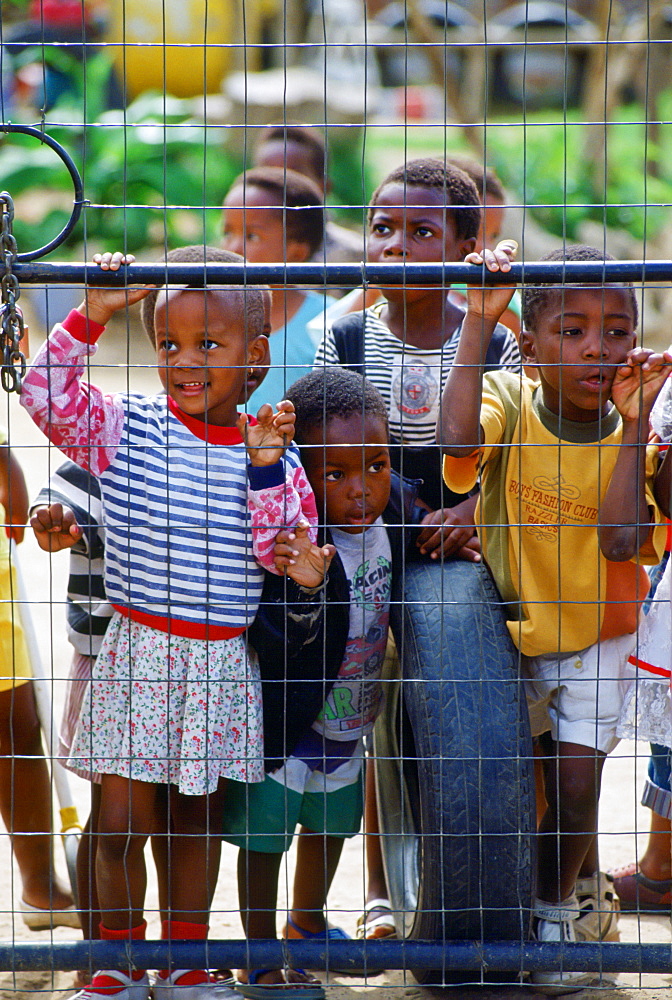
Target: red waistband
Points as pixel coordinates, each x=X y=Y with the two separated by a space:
x=175 y=626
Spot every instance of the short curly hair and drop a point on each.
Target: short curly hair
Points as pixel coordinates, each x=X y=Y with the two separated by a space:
x=308 y=138
x=333 y=392
x=536 y=298
x=300 y=202
x=454 y=184
x=256 y=299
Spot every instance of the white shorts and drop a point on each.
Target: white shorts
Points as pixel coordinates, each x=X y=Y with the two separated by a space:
x=578 y=696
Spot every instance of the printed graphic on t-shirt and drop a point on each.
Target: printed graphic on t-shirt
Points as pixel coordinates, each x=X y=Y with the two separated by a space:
x=369 y=589
x=415 y=391
x=548 y=503
x=355 y=697
x=354 y=701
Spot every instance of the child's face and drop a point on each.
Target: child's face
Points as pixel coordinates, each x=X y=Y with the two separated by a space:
x=348 y=465
x=582 y=337
x=412 y=224
x=203 y=352
x=256 y=231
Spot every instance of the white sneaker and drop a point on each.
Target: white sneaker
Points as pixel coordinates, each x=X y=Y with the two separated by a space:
x=126 y=987
x=171 y=989
x=557 y=923
x=599 y=908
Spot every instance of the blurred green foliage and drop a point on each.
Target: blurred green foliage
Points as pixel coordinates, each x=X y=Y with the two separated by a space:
x=155 y=176
x=152 y=174
x=157 y=179
x=547 y=166
x=543 y=165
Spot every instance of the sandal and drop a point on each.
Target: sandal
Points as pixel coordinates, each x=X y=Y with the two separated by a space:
x=37 y=919
x=371 y=928
x=637 y=892
x=312 y=989
x=292 y=931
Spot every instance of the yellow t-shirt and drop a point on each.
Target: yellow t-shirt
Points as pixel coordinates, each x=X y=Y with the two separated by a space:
x=542 y=482
x=14 y=663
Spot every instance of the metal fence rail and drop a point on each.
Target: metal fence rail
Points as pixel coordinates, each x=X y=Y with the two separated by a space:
x=450 y=956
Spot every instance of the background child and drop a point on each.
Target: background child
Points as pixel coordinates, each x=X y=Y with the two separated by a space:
x=189 y=715
x=273 y=215
x=302 y=149
x=67 y=514
x=566 y=482
x=342 y=431
x=25 y=788
x=491 y=196
x=424 y=211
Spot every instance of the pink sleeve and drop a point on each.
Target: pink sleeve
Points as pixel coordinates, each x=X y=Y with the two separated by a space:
x=277 y=507
x=85 y=423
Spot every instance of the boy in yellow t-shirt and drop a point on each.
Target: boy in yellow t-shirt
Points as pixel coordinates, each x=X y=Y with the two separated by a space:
x=566 y=518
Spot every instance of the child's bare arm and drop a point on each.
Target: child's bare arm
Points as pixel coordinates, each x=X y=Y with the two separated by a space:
x=267 y=439
x=55 y=527
x=624 y=516
x=458 y=429
x=13 y=494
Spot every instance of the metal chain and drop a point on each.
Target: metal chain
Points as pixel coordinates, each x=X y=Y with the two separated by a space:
x=11 y=317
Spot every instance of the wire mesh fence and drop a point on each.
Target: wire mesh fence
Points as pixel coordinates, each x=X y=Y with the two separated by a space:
x=426 y=690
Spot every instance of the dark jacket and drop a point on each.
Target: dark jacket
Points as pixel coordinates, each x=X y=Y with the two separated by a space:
x=299 y=635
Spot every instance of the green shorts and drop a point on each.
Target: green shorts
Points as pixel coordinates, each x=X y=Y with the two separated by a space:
x=262 y=816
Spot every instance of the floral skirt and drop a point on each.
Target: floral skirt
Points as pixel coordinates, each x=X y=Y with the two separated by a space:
x=170 y=710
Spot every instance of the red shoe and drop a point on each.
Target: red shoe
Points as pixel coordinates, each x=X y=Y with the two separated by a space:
x=637 y=892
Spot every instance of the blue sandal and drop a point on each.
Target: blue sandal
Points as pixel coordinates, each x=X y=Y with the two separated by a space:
x=330 y=934
x=254 y=990
x=293 y=932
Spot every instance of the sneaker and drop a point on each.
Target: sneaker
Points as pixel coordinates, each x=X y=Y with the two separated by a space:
x=116 y=985
x=557 y=923
x=599 y=908
x=187 y=984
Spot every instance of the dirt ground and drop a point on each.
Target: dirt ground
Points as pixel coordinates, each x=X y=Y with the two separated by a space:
x=623 y=823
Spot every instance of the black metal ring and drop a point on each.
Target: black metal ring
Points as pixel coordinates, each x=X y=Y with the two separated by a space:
x=78 y=200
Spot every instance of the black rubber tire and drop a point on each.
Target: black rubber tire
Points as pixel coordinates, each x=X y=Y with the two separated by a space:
x=454 y=764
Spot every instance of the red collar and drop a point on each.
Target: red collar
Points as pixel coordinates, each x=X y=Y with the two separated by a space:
x=207 y=432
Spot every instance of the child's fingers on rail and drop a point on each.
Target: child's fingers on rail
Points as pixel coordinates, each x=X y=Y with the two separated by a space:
x=498 y=259
x=112 y=260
